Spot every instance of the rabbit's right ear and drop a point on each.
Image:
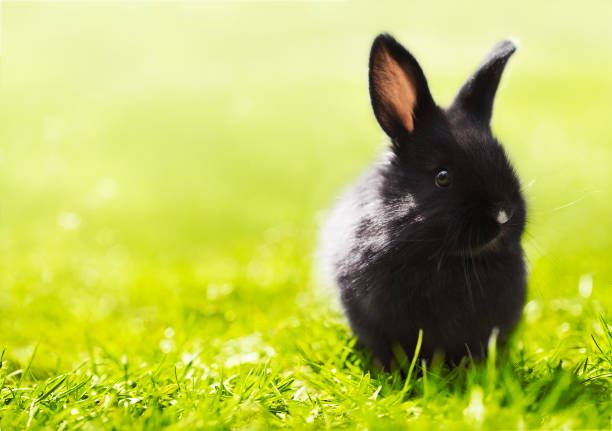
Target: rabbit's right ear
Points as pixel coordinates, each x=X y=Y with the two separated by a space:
x=398 y=88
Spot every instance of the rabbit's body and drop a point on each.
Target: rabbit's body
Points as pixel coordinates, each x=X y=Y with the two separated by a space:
x=408 y=253
x=391 y=287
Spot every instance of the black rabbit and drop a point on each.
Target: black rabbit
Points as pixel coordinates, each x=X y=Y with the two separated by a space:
x=429 y=237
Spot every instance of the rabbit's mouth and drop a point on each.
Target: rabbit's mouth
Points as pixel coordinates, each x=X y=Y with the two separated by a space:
x=491 y=245
x=495 y=243
x=489 y=230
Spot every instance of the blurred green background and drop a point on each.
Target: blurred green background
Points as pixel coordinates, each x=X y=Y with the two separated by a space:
x=163 y=166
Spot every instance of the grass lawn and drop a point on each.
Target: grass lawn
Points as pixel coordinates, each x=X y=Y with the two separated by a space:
x=164 y=168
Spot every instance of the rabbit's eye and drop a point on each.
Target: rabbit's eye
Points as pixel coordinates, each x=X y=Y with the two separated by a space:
x=443 y=178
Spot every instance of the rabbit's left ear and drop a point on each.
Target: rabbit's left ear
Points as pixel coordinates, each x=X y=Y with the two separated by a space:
x=475 y=97
x=398 y=88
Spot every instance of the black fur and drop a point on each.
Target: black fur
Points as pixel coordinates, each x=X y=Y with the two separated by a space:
x=409 y=255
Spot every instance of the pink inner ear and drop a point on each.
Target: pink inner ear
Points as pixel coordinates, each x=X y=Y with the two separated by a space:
x=396 y=89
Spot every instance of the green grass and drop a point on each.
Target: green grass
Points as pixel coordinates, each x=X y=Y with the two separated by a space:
x=163 y=168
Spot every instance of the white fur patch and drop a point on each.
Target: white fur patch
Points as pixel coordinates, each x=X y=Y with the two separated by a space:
x=502 y=217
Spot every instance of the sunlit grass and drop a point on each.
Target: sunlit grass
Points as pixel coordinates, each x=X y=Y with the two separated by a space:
x=163 y=168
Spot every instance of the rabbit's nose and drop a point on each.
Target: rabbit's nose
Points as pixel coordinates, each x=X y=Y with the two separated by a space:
x=503 y=215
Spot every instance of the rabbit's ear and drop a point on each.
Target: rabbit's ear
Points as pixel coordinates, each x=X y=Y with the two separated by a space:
x=475 y=97
x=398 y=88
